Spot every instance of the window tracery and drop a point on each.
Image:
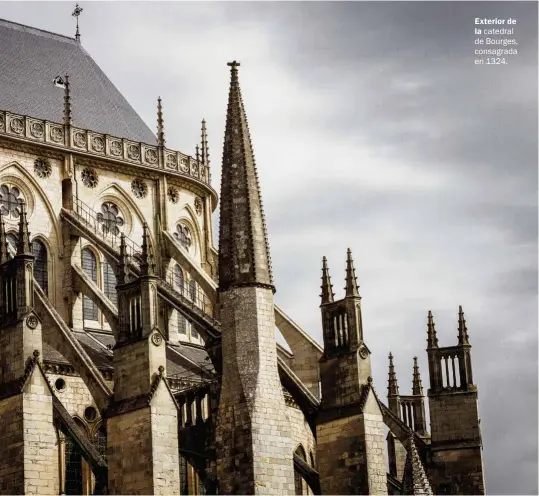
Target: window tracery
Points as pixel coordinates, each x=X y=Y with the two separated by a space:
x=110 y=219
x=10 y=201
x=183 y=235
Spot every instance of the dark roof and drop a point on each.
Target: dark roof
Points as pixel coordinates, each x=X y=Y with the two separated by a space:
x=29 y=61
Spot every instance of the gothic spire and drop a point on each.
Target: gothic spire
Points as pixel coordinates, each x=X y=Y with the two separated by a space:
x=392 y=386
x=463 y=330
x=68 y=121
x=417 y=386
x=204 y=145
x=327 y=288
x=244 y=258
x=160 y=124
x=23 y=243
x=432 y=340
x=351 y=279
x=147 y=265
x=123 y=267
x=3 y=241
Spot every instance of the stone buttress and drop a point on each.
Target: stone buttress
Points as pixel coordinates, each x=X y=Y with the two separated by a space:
x=350 y=429
x=456 y=450
x=253 y=438
x=29 y=454
x=142 y=422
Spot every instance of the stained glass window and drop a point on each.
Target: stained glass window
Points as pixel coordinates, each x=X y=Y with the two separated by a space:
x=89 y=265
x=109 y=283
x=40 y=265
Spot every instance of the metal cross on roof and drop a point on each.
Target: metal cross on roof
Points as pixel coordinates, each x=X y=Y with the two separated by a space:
x=76 y=13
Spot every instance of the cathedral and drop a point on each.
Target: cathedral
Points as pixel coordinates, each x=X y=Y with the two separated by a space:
x=136 y=357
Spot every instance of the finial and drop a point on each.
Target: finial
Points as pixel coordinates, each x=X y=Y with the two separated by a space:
x=3 y=241
x=161 y=370
x=76 y=13
x=463 y=330
x=351 y=279
x=160 y=124
x=417 y=386
x=392 y=386
x=197 y=154
x=23 y=243
x=204 y=145
x=67 y=102
x=36 y=354
x=147 y=265
x=327 y=288
x=432 y=340
x=123 y=264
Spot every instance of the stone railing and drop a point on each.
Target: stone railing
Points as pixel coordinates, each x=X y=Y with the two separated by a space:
x=100 y=145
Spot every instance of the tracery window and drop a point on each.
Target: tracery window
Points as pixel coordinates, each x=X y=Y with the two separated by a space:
x=109 y=283
x=183 y=235
x=10 y=197
x=110 y=218
x=89 y=265
x=41 y=275
x=11 y=245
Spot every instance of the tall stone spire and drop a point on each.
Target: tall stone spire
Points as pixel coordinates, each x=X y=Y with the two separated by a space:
x=463 y=330
x=327 y=288
x=23 y=243
x=432 y=340
x=392 y=386
x=243 y=245
x=147 y=265
x=160 y=124
x=3 y=241
x=351 y=279
x=417 y=386
x=204 y=145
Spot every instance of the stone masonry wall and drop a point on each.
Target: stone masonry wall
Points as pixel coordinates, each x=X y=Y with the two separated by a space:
x=253 y=434
x=129 y=453
x=12 y=455
x=166 y=462
x=457 y=462
x=350 y=453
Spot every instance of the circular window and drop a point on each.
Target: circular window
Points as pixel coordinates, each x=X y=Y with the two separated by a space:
x=90 y=413
x=60 y=384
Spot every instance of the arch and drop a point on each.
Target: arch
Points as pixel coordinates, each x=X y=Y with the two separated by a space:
x=109 y=282
x=299 y=484
x=189 y=218
x=115 y=193
x=90 y=266
x=30 y=192
x=12 y=240
x=41 y=264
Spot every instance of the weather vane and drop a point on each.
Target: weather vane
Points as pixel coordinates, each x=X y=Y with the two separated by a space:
x=76 y=13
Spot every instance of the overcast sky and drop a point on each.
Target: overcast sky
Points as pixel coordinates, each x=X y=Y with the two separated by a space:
x=374 y=130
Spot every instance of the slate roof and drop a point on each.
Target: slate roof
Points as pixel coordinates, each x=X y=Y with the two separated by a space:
x=31 y=58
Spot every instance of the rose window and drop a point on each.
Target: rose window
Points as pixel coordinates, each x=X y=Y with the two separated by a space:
x=110 y=219
x=183 y=235
x=10 y=198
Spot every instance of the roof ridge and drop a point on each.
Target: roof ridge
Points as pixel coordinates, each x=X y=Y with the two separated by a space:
x=38 y=30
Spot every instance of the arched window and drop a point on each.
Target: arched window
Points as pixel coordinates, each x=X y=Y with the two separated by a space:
x=73 y=463
x=193 y=290
x=89 y=265
x=298 y=480
x=179 y=279
x=40 y=265
x=11 y=245
x=179 y=283
x=109 y=283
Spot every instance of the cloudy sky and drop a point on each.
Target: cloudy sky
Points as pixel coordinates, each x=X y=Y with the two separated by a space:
x=373 y=129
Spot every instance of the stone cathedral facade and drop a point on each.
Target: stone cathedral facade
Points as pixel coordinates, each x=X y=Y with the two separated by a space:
x=135 y=358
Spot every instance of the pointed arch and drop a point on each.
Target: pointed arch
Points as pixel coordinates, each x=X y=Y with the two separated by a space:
x=188 y=217
x=89 y=262
x=115 y=193
x=31 y=192
x=42 y=265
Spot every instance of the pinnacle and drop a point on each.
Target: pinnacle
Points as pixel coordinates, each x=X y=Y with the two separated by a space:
x=351 y=279
x=327 y=288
